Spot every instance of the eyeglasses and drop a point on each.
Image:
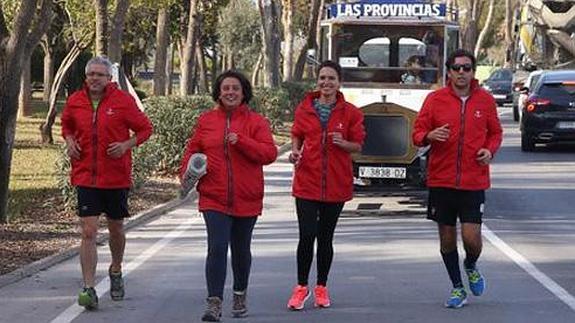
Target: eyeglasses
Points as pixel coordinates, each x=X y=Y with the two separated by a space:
x=458 y=67
x=96 y=74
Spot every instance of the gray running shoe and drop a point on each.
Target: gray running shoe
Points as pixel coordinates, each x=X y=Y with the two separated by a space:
x=88 y=298
x=213 y=311
x=239 y=308
x=116 y=286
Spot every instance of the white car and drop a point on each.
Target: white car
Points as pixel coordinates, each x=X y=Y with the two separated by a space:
x=524 y=93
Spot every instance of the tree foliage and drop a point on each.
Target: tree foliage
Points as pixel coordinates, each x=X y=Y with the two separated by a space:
x=240 y=33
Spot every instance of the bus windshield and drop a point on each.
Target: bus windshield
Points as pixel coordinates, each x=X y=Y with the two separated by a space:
x=411 y=56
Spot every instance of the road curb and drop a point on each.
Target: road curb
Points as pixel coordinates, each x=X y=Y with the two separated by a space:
x=136 y=220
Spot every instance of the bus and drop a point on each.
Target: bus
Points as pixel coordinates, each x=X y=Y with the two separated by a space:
x=392 y=54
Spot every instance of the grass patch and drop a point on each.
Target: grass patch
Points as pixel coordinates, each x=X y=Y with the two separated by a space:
x=33 y=180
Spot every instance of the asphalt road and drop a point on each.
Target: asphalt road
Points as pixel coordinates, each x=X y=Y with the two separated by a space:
x=387 y=267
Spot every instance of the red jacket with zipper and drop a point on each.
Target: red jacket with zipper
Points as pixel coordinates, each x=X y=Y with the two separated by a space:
x=234 y=181
x=116 y=115
x=453 y=164
x=325 y=171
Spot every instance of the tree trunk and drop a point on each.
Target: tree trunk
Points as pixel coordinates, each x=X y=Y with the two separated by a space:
x=215 y=55
x=485 y=28
x=311 y=39
x=202 y=71
x=288 y=15
x=9 y=88
x=231 y=63
x=469 y=31
x=170 y=69
x=257 y=69
x=25 y=95
x=509 y=38
x=128 y=65
x=101 y=26
x=161 y=59
x=46 y=127
x=115 y=48
x=48 y=72
x=270 y=13
x=189 y=52
x=224 y=58
x=16 y=45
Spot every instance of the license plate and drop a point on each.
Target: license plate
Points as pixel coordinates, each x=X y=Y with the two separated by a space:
x=382 y=172
x=500 y=96
x=566 y=125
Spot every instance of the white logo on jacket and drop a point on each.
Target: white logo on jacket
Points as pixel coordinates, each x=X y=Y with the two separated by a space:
x=478 y=114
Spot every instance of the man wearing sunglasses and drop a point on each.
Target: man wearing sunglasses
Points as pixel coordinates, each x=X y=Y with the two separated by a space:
x=461 y=125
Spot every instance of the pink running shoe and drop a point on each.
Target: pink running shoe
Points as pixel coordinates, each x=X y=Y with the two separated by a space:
x=321 y=296
x=297 y=300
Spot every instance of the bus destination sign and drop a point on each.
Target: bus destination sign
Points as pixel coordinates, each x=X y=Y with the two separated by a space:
x=387 y=8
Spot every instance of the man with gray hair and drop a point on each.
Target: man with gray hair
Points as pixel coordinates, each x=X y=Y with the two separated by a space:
x=100 y=124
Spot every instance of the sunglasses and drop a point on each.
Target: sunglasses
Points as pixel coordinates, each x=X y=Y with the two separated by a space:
x=458 y=67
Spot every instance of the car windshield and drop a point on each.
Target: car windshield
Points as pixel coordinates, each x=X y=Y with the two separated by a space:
x=390 y=54
x=501 y=75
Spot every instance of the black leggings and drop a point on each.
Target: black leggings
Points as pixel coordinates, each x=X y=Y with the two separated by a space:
x=315 y=219
x=224 y=230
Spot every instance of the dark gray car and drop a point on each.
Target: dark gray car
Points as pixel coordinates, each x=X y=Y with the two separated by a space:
x=500 y=84
x=549 y=113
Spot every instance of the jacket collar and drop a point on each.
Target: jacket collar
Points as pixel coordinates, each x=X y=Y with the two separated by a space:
x=308 y=100
x=242 y=108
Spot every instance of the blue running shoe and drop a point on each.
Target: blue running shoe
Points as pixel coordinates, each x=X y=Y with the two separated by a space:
x=476 y=281
x=457 y=299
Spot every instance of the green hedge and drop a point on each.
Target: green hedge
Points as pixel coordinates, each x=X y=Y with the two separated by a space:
x=173 y=119
x=272 y=104
x=296 y=92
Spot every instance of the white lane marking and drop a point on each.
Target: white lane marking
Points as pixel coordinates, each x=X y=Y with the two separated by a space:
x=522 y=262
x=504 y=112
x=104 y=285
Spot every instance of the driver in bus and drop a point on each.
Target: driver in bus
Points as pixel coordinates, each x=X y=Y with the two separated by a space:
x=429 y=75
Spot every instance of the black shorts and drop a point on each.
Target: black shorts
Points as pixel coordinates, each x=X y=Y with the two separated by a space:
x=95 y=201
x=445 y=205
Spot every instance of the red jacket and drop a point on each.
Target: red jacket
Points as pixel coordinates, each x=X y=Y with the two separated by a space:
x=453 y=164
x=325 y=171
x=234 y=182
x=116 y=115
